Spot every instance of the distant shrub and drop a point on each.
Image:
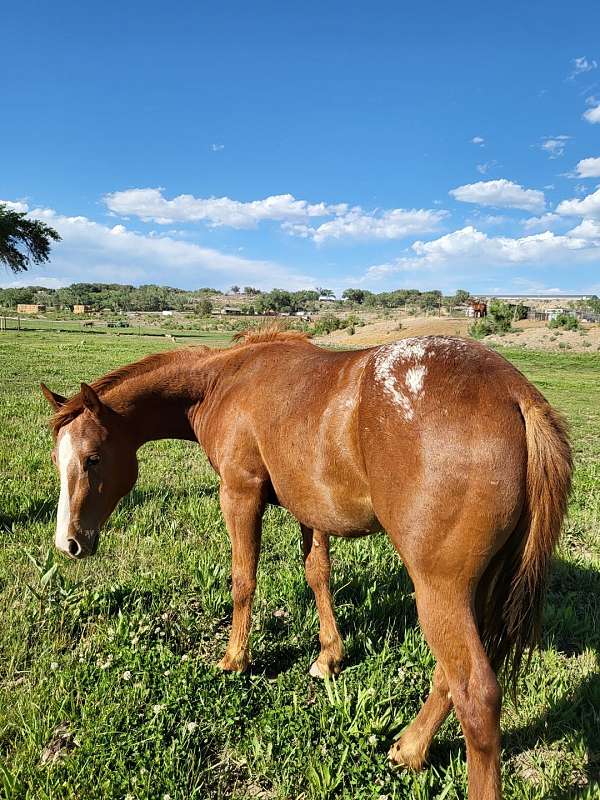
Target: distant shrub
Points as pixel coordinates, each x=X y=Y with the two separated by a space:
x=567 y=322
x=481 y=328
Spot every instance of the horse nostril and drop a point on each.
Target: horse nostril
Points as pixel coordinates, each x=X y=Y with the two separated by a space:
x=74 y=547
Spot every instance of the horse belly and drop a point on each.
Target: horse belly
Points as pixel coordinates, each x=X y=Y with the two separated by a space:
x=337 y=509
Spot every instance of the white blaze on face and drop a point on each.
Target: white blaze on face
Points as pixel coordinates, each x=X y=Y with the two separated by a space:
x=65 y=456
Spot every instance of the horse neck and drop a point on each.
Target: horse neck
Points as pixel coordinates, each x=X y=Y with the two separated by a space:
x=159 y=404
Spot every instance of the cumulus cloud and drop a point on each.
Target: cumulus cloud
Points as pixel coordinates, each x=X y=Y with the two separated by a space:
x=116 y=254
x=293 y=215
x=396 y=223
x=588 y=168
x=478 y=140
x=500 y=194
x=586 y=207
x=216 y=148
x=543 y=222
x=151 y=206
x=592 y=114
x=15 y=205
x=469 y=246
x=554 y=146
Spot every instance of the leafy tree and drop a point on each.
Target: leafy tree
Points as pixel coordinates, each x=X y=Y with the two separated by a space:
x=355 y=295
x=23 y=240
x=204 y=307
x=251 y=291
x=461 y=296
x=235 y=289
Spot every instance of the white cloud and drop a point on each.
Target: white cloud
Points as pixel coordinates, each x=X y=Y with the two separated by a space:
x=151 y=205
x=587 y=229
x=544 y=222
x=487 y=166
x=293 y=215
x=581 y=65
x=116 y=254
x=593 y=114
x=588 y=168
x=15 y=205
x=396 y=223
x=500 y=194
x=554 y=146
x=478 y=140
x=469 y=247
x=587 y=207
x=216 y=148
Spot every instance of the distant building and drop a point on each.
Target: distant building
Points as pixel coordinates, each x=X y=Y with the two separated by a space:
x=167 y=313
x=80 y=308
x=231 y=310
x=327 y=299
x=30 y=308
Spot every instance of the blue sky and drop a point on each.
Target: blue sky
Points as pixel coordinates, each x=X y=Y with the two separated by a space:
x=333 y=144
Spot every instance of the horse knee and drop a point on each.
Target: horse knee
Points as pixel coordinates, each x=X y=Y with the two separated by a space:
x=242 y=588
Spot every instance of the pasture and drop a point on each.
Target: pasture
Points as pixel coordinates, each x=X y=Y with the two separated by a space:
x=107 y=683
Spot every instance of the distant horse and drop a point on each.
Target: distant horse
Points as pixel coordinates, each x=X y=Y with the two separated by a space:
x=438 y=441
x=479 y=308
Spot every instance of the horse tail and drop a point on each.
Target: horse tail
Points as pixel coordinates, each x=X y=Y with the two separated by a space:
x=512 y=591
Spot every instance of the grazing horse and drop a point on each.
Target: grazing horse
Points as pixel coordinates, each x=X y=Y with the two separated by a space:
x=438 y=441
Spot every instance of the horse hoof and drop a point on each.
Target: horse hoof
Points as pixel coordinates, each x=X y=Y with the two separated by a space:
x=403 y=753
x=239 y=664
x=323 y=671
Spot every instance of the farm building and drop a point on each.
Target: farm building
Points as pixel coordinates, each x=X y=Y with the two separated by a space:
x=30 y=308
x=231 y=310
x=80 y=308
x=327 y=299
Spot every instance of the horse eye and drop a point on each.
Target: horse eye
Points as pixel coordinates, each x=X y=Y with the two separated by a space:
x=91 y=461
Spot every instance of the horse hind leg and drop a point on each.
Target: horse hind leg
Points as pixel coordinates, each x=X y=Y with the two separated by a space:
x=447 y=619
x=411 y=749
x=317 y=566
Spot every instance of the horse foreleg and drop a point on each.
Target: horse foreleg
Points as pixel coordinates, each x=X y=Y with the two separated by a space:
x=242 y=511
x=317 y=567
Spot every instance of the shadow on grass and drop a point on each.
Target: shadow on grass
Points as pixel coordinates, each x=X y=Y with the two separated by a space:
x=572 y=626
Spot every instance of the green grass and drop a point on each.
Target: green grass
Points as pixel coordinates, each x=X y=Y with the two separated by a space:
x=37 y=326
x=121 y=647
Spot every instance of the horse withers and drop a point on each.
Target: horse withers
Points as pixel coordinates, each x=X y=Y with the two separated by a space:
x=438 y=441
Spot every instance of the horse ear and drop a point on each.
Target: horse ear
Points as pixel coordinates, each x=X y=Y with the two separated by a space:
x=55 y=400
x=91 y=401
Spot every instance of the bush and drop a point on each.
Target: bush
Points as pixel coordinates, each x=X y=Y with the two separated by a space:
x=566 y=321
x=482 y=327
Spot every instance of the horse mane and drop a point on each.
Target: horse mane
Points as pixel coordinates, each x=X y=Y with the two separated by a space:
x=270 y=332
x=74 y=405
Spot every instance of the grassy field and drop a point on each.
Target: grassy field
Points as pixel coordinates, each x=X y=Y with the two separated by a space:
x=50 y=327
x=117 y=652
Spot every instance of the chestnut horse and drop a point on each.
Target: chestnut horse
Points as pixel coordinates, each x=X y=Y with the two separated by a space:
x=438 y=441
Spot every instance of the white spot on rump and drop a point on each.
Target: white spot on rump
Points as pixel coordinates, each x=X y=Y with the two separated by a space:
x=414 y=379
x=385 y=362
x=64 y=456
